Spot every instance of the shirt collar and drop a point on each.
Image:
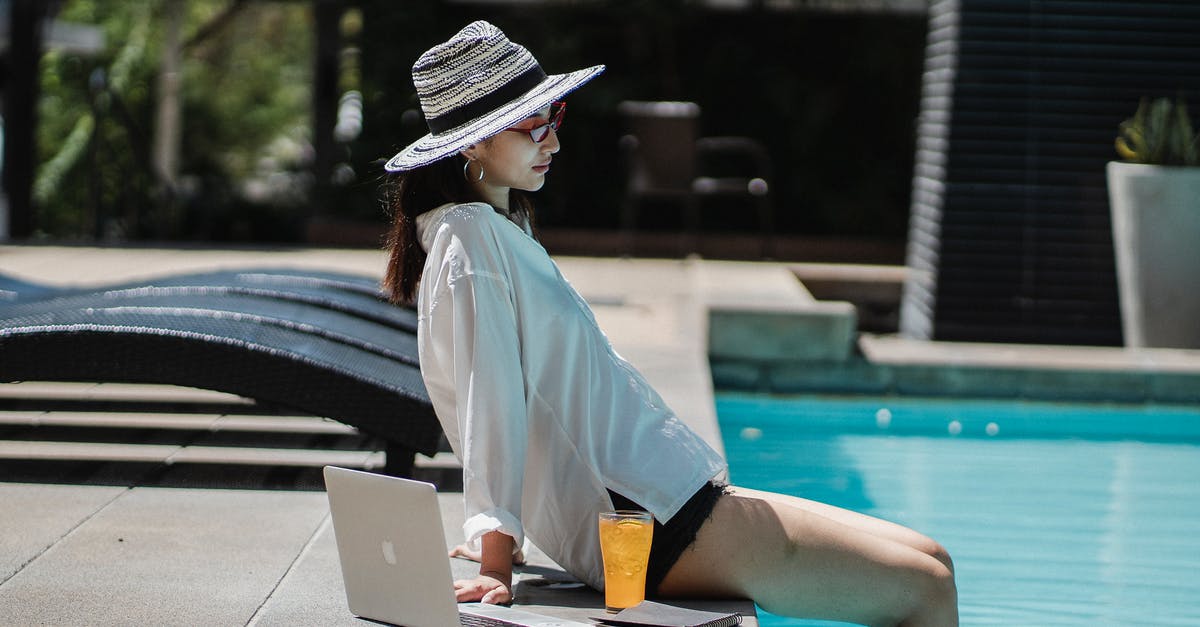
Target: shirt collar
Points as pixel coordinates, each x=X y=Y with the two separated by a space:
x=427 y=224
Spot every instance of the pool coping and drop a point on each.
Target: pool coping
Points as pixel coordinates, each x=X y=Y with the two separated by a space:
x=795 y=343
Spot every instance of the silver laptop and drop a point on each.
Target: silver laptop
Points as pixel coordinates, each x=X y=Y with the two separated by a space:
x=394 y=557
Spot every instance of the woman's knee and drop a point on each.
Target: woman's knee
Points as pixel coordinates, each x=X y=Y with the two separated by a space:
x=938 y=552
x=941 y=579
x=936 y=592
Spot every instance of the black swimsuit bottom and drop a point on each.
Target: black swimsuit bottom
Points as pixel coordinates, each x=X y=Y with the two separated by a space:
x=671 y=539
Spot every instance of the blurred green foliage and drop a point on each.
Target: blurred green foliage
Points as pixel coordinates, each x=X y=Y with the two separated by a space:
x=245 y=107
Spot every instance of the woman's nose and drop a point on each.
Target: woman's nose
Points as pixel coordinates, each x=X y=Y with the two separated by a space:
x=550 y=145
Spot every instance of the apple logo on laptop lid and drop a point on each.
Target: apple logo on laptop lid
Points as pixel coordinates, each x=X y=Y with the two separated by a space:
x=389 y=552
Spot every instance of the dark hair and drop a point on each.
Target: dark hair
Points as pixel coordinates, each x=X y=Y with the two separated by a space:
x=409 y=194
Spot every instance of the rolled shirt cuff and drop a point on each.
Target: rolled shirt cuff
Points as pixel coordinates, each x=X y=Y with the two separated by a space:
x=493 y=520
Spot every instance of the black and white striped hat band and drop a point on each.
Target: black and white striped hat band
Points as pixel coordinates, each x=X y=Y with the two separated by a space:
x=475 y=85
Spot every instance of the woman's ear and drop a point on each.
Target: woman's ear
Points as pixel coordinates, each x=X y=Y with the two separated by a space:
x=468 y=152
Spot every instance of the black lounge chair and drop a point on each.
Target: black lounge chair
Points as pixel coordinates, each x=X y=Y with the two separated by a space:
x=321 y=343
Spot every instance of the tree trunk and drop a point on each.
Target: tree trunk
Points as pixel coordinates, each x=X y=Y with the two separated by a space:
x=169 y=110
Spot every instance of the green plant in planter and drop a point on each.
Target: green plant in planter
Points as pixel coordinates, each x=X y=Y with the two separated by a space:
x=1159 y=133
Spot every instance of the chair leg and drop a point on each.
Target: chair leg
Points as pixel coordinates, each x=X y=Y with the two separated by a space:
x=766 y=226
x=628 y=224
x=399 y=460
x=691 y=227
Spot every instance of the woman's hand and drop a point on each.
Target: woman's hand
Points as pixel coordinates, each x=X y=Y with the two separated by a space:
x=485 y=589
x=477 y=556
x=494 y=583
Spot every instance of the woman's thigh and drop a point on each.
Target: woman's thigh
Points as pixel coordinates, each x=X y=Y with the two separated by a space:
x=792 y=560
x=857 y=520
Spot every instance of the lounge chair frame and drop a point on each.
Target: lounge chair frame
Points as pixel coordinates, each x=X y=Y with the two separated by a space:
x=320 y=343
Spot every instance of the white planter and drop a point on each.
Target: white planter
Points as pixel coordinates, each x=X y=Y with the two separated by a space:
x=1156 y=237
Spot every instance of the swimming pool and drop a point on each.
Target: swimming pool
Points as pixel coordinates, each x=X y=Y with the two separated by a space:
x=1055 y=514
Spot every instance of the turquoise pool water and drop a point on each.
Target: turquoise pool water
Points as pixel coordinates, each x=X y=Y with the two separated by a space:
x=1055 y=514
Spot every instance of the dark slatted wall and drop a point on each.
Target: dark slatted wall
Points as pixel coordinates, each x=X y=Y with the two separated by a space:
x=1009 y=235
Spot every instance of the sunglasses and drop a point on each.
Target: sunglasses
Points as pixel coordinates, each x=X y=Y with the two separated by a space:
x=542 y=131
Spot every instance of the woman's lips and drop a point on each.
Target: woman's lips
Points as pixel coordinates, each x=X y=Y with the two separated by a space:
x=541 y=169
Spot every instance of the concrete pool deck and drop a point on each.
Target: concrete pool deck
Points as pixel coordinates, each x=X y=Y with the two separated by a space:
x=122 y=553
x=113 y=550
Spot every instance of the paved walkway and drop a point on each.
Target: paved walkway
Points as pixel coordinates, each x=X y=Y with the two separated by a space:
x=113 y=554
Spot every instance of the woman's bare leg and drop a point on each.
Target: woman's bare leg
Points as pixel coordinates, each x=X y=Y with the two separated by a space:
x=870 y=524
x=800 y=558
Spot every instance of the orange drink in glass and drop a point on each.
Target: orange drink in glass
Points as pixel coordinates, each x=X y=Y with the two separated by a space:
x=625 y=537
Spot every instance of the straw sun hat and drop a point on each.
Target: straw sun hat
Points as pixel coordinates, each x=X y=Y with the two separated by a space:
x=476 y=85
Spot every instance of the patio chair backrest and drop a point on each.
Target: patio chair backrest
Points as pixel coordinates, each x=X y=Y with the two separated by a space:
x=661 y=144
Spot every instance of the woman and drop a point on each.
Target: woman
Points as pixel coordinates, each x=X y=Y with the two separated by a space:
x=550 y=424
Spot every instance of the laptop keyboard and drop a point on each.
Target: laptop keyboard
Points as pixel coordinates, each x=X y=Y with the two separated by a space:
x=471 y=620
x=475 y=615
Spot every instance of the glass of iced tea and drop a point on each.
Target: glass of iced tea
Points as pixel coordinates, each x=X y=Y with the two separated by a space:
x=625 y=544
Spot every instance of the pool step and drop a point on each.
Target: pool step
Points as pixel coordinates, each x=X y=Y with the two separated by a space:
x=169 y=454
x=114 y=433
x=46 y=395
x=178 y=421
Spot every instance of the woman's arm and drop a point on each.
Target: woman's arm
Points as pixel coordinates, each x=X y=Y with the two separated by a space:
x=466 y=552
x=474 y=351
x=483 y=357
x=494 y=583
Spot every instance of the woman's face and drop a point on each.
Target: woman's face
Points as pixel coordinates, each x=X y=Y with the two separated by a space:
x=512 y=159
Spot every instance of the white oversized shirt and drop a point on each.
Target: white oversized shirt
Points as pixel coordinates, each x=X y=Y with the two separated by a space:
x=542 y=412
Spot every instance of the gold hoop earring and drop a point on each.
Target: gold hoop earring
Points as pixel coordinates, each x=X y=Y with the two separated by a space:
x=466 y=172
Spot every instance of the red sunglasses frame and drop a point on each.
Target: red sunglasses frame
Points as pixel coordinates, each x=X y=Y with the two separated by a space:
x=557 y=110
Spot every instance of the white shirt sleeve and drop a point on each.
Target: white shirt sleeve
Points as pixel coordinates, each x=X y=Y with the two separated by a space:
x=489 y=387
